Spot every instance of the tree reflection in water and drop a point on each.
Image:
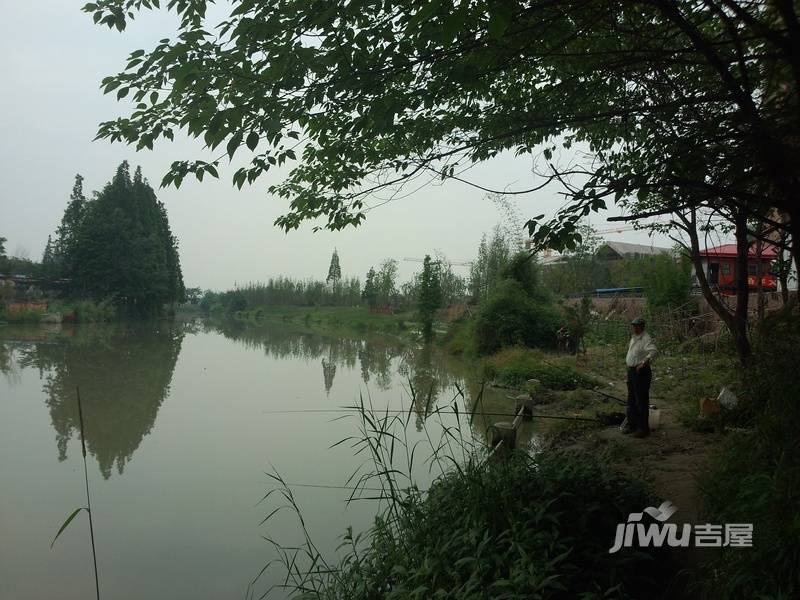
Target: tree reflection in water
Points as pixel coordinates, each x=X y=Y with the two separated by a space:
x=426 y=372
x=124 y=373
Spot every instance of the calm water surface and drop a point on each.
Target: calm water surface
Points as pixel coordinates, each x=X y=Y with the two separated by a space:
x=179 y=434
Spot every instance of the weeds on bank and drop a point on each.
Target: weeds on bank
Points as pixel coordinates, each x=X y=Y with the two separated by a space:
x=756 y=476
x=515 y=366
x=516 y=528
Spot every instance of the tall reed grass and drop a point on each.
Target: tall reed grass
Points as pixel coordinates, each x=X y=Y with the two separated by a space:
x=88 y=507
x=524 y=527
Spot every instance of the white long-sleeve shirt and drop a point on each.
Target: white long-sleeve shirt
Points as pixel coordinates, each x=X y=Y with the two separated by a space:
x=640 y=349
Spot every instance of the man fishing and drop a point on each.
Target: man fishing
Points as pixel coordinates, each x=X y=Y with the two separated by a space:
x=641 y=351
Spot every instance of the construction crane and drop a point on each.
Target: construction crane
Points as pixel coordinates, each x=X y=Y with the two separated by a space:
x=453 y=263
x=616 y=229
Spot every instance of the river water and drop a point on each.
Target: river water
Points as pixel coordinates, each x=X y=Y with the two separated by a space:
x=181 y=421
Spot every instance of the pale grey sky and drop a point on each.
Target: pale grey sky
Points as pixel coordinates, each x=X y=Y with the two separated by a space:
x=53 y=60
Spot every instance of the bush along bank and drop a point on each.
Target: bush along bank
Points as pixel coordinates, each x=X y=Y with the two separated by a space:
x=65 y=311
x=756 y=477
x=520 y=528
x=513 y=367
x=516 y=311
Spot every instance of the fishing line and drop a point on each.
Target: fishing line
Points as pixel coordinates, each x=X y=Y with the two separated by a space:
x=437 y=411
x=331 y=487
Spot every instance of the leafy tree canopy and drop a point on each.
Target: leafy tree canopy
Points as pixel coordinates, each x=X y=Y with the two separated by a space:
x=429 y=296
x=684 y=101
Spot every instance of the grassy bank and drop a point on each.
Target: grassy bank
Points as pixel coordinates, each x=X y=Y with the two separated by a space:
x=330 y=319
x=77 y=310
x=755 y=478
x=515 y=367
x=521 y=527
x=737 y=465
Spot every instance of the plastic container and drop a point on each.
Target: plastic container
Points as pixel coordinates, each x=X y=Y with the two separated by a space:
x=654 y=417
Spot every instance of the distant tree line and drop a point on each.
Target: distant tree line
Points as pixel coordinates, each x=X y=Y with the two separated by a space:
x=17 y=265
x=665 y=278
x=513 y=295
x=380 y=290
x=285 y=291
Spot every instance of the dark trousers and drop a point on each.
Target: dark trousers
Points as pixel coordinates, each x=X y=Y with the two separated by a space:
x=639 y=397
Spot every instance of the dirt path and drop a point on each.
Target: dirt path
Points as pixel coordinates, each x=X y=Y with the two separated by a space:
x=671 y=460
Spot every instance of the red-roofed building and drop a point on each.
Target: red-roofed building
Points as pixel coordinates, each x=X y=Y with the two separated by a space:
x=719 y=265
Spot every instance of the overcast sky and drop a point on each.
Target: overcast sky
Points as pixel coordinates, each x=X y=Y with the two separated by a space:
x=53 y=60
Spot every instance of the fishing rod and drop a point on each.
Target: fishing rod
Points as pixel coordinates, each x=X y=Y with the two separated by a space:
x=438 y=410
x=610 y=397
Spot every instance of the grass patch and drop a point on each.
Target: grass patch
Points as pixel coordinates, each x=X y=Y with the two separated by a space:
x=330 y=319
x=514 y=366
x=459 y=339
x=21 y=316
x=87 y=311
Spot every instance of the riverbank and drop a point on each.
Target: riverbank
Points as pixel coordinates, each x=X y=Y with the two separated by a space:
x=51 y=311
x=716 y=464
x=542 y=523
x=698 y=464
x=329 y=319
x=676 y=453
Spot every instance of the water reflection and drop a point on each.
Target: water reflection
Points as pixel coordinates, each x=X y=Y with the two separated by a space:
x=193 y=436
x=123 y=372
x=429 y=376
x=328 y=373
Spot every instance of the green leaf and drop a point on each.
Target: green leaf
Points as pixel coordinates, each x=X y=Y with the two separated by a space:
x=452 y=25
x=498 y=23
x=423 y=14
x=252 y=140
x=67 y=522
x=111 y=86
x=234 y=143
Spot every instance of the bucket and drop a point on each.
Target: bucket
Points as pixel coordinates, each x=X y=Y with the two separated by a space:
x=654 y=417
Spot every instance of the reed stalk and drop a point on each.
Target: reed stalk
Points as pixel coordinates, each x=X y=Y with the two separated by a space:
x=88 y=507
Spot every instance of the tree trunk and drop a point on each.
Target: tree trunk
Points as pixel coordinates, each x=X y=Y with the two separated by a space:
x=794 y=257
x=742 y=291
x=783 y=277
x=761 y=301
x=714 y=302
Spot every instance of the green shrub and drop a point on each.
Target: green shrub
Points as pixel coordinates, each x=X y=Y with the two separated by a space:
x=511 y=317
x=756 y=478
x=514 y=366
x=87 y=311
x=460 y=337
x=522 y=528
x=667 y=282
x=22 y=316
x=235 y=301
x=522 y=268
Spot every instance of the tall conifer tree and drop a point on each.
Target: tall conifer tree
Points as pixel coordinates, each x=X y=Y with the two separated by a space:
x=334 y=270
x=119 y=245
